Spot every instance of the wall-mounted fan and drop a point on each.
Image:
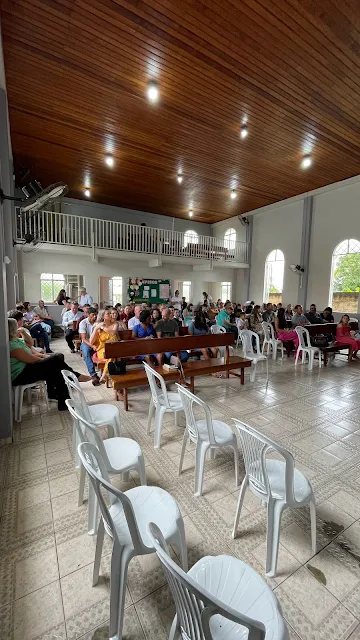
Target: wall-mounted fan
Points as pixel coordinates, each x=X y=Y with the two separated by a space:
x=36 y=197
x=297 y=268
x=244 y=221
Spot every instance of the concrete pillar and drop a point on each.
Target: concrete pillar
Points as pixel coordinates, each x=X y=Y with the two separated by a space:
x=7 y=185
x=246 y=281
x=305 y=250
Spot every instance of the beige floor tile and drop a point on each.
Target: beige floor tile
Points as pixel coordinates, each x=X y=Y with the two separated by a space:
x=31 y=465
x=31 y=432
x=66 y=505
x=63 y=484
x=36 y=572
x=347 y=503
x=287 y=564
x=335 y=518
x=298 y=542
x=226 y=508
x=40 y=615
x=56 y=457
x=35 y=494
x=34 y=517
x=85 y=606
x=52 y=427
x=75 y=553
x=32 y=451
x=156 y=613
x=339 y=451
x=313 y=443
x=325 y=458
x=56 y=445
x=333 y=574
x=352 y=438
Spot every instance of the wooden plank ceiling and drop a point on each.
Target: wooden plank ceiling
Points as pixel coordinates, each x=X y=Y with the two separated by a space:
x=77 y=72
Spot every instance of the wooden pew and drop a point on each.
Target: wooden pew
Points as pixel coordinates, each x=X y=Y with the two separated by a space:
x=320 y=329
x=137 y=377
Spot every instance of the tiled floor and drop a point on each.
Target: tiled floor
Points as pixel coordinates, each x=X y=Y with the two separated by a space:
x=46 y=555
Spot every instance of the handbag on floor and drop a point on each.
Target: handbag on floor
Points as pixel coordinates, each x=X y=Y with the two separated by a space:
x=117 y=368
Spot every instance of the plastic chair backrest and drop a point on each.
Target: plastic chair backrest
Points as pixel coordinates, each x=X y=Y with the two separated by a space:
x=255 y=447
x=99 y=477
x=75 y=392
x=194 y=605
x=247 y=343
x=268 y=331
x=188 y=400
x=216 y=328
x=159 y=396
x=85 y=429
x=304 y=337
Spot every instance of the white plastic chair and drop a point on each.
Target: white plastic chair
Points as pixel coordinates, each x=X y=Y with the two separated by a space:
x=214 y=329
x=207 y=434
x=162 y=401
x=240 y=327
x=276 y=482
x=126 y=521
x=249 y=353
x=219 y=598
x=100 y=415
x=19 y=391
x=270 y=341
x=119 y=455
x=305 y=348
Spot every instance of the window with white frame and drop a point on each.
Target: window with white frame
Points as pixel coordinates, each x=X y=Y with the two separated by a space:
x=230 y=239
x=116 y=290
x=186 y=290
x=50 y=285
x=225 y=291
x=274 y=276
x=345 y=277
x=190 y=237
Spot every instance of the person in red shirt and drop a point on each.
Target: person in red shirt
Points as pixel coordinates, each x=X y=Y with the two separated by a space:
x=126 y=314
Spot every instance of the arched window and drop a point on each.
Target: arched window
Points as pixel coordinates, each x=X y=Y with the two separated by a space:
x=190 y=237
x=230 y=239
x=274 y=276
x=345 y=277
x=50 y=285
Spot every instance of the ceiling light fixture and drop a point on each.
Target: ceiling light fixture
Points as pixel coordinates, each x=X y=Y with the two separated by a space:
x=306 y=162
x=152 y=91
x=243 y=131
x=109 y=160
x=179 y=177
x=233 y=194
x=87 y=193
x=190 y=213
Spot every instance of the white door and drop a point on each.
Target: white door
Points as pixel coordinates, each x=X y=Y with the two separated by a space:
x=105 y=291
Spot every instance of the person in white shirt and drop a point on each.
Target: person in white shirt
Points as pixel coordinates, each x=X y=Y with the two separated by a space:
x=68 y=319
x=176 y=300
x=135 y=319
x=41 y=311
x=86 y=327
x=84 y=298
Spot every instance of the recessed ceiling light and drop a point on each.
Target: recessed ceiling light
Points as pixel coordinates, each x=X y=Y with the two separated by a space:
x=243 y=131
x=152 y=91
x=109 y=160
x=190 y=213
x=87 y=193
x=233 y=194
x=306 y=162
x=179 y=177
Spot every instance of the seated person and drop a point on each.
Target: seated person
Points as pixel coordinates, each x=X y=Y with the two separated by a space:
x=188 y=313
x=61 y=296
x=22 y=332
x=36 y=330
x=255 y=319
x=289 y=312
x=41 y=311
x=31 y=318
x=155 y=316
x=177 y=318
x=268 y=315
x=28 y=366
x=86 y=327
x=145 y=330
x=66 y=305
x=168 y=328
x=199 y=327
x=223 y=320
x=126 y=314
x=135 y=318
x=69 y=317
x=345 y=334
x=84 y=298
x=284 y=333
x=106 y=330
x=327 y=315
x=313 y=316
x=298 y=319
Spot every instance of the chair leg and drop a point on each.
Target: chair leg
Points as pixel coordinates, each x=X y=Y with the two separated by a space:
x=297 y=356
x=177 y=423
x=45 y=395
x=239 y=505
x=118 y=579
x=311 y=360
x=159 y=414
x=117 y=426
x=275 y=509
x=212 y=453
x=141 y=470
x=82 y=485
x=92 y=511
x=236 y=463
x=252 y=371
x=199 y=467
x=184 y=443
x=320 y=360
x=28 y=396
x=150 y=416
x=98 y=552
x=180 y=542
x=313 y=524
x=17 y=415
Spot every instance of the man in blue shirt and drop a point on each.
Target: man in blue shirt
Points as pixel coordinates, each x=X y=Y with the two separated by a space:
x=223 y=320
x=68 y=323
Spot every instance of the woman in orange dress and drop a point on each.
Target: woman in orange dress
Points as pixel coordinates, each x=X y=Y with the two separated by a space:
x=107 y=330
x=346 y=335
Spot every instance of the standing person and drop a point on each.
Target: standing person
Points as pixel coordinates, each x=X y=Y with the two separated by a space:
x=176 y=300
x=298 y=319
x=86 y=328
x=145 y=330
x=84 y=298
x=327 y=315
x=41 y=311
x=183 y=303
x=135 y=319
x=168 y=328
x=68 y=320
x=313 y=316
x=282 y=330
x=207 y=298
x=223 y=320
x=106 y=330
x=61 y=296
x=28 y=366
x=268 y=315
x=345 y=335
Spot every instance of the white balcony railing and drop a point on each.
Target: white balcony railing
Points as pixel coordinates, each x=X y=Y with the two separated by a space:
x=65 y=229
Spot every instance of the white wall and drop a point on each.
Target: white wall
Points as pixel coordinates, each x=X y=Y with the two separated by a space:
x=219 y=229
x=279 y=227
x=130 y=216
x=81 y=264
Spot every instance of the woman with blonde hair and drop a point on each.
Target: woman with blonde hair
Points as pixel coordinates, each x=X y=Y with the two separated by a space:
x=106 y=330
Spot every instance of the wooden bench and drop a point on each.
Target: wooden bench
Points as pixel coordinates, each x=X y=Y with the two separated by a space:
x=137 y=377
x=326 y=328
